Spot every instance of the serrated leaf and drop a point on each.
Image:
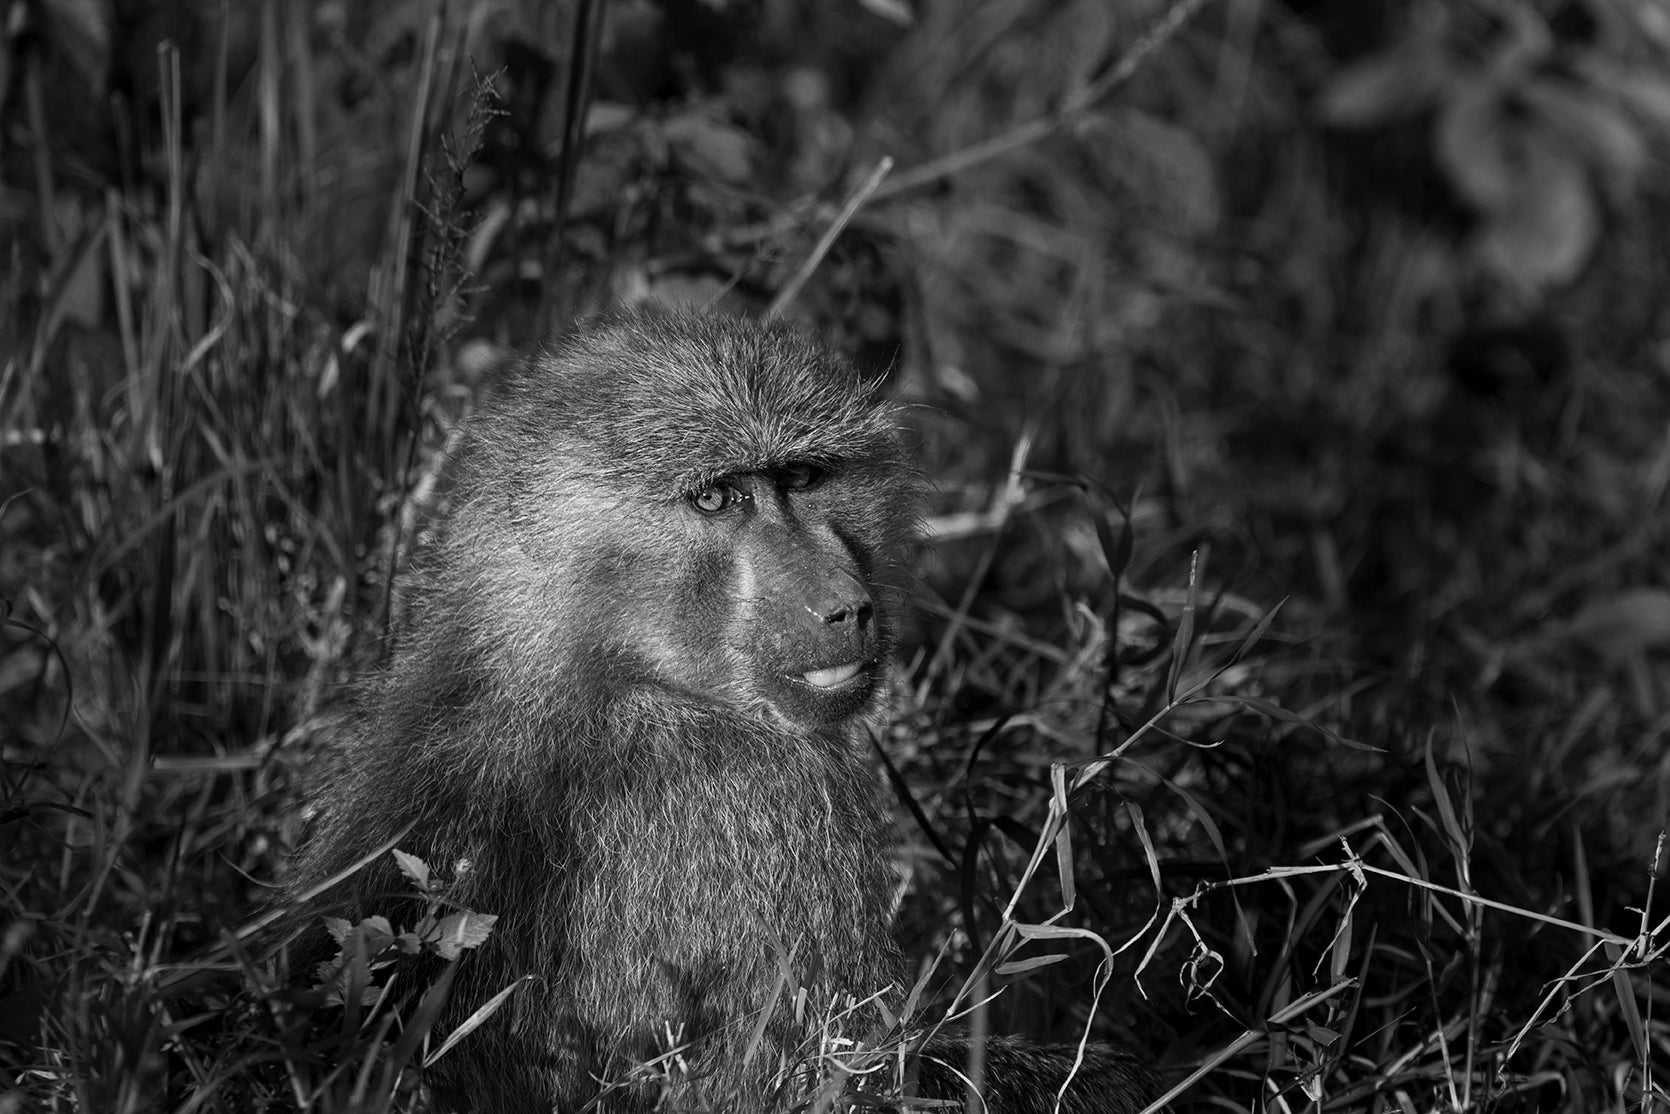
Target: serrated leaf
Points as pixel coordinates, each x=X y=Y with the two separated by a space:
x=412 y=867
x=339 y=928
x=325 y=973
x=463 y=930
x=377 y=934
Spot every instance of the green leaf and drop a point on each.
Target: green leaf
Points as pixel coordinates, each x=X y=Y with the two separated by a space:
x=1277 y=712
x=1460 y=839
x=710 y=148
x=1392 y=85
x=1475 y=144
x=1167 y=167
x=1544 y=230
x=412 y=867
x=1627 y=1006
x=1599 y=134
x=463 y=930
x=1644 y=91
x=1021 y=966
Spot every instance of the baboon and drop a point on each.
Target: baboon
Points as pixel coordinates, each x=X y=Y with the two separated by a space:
x=629 y=693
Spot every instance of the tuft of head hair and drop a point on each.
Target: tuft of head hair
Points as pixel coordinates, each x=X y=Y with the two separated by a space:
x=668 y=401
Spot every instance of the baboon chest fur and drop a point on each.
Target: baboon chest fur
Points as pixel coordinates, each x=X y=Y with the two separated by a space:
x=629 y=693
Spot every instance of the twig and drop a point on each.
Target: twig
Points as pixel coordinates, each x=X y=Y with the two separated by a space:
x=854 y=203
x=1033 y=130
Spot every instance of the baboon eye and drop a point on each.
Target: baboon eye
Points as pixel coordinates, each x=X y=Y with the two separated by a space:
x=712 y=500
x=799 y=477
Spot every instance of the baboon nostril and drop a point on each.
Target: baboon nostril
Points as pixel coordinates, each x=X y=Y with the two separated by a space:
x=859 y=613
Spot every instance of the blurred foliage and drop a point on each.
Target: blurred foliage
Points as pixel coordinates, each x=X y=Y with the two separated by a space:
x=1292 y=375
x=1536 y=124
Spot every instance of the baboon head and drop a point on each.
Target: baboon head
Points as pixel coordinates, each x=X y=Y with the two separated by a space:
x=691 y=506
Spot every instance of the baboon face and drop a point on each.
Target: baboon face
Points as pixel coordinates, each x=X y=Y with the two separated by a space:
x=711 y=510
x=801 y=630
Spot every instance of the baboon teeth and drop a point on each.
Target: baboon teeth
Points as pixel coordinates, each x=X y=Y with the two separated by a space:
x=834 y=675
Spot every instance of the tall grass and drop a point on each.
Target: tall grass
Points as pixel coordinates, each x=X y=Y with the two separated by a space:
x=1289 y=695
x=204 y=461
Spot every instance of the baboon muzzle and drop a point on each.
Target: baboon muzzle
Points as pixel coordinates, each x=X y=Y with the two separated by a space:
x=814 y=619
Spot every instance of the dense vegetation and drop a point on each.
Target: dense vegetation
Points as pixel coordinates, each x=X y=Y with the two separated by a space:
x=1290 y=690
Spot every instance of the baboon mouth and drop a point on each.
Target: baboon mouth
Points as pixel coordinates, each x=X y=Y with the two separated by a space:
x=834 y=676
